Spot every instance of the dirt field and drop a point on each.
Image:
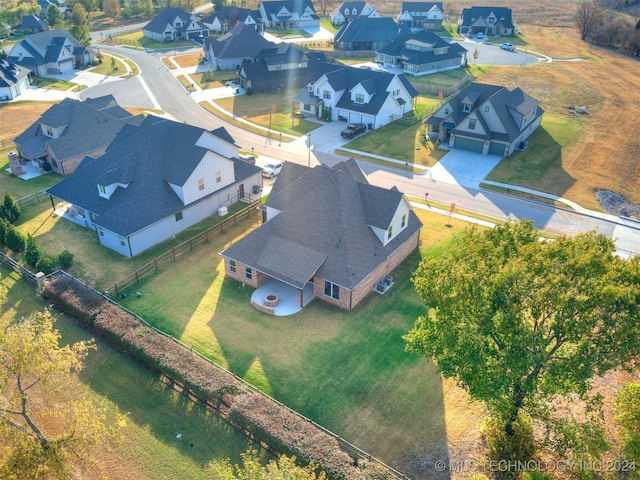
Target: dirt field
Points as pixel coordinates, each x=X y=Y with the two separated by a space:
x=16 y=117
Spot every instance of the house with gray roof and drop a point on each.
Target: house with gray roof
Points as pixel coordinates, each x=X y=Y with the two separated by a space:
x=154 y=180
x=223 y=20
x=487 y=119
x=174 y=24
x=289 y=14
x=357 y=95
x=487 y=20
x=365 y=33
x=326 y=233
x=349 y=11
x=421 y=53
x=14 y=80
x=284 y=65
x=425 y=15
x=32 y=24
x=228 y=51
x=50 y=52
x=71 y=130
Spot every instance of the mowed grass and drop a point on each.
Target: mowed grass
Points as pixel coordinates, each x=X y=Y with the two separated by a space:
x=346 y=370
x=148 y=447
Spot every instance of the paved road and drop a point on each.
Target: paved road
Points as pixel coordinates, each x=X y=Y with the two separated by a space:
x=171 y=97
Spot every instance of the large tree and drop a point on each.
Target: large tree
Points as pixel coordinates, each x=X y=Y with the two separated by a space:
x=47 y=434
x=54 y=17
x=285 y=468
x=589 y=16
x=519 y=321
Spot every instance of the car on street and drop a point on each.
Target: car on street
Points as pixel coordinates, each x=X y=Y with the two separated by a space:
x=508 y=46
x=353 y=129
x=247 y=157
x=271 y=169
x=480 y=35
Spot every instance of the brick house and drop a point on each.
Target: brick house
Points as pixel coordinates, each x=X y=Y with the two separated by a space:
x=328 y=233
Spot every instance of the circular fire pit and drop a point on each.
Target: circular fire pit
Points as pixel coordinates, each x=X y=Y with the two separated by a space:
x=271 y=300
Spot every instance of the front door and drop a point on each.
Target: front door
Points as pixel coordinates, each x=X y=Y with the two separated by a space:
x=241 y=191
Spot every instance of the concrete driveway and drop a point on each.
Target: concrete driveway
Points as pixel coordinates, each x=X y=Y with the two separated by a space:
x=463 y=168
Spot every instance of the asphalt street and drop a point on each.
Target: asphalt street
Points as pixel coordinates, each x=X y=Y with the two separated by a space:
x=166 y=92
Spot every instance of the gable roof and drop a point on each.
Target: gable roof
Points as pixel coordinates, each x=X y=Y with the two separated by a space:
x=366 y=29
x=10 y=73
x=503 y=14
x=241 y=41
x=45 y=47
x=294 y=7
x=90 y=125
x=408 y=46
x=148 y=157
x=323 y=227
x=417 y=8
x=32 y=21
x=232 y=14
x=166 y=17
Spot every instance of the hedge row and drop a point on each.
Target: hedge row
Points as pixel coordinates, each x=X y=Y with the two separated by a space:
x=265 y=419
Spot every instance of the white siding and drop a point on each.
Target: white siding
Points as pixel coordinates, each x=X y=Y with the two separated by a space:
x=396 y=221
x=216 y=144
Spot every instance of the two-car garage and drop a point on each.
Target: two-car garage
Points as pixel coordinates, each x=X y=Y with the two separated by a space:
x=477 y=146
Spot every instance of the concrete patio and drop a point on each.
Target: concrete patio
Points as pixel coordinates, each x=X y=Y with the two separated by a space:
x=288 y=298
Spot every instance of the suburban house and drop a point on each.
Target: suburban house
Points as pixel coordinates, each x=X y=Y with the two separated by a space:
x=52 y=51
x=174 y=24
x=487 y=20
x=326 y=233
x=349 y=11
x=228 y=51
x=45 y=4
x=289 y=14
x=426 y=15
x=284 y=65
x=421 y=53
x=155 y=180
x=14 y=80
x=70 y=130
x=32 y=24
x=487 y=119
x=223 y=20
x=357 y=95
x=365 y=33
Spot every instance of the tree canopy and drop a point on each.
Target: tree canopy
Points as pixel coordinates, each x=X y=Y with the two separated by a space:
x=518 y=320
x=589 y=15
x=285 y=468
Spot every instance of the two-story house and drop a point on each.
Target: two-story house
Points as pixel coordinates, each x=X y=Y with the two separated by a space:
x=223 y=20
x=487 y=119
x=426 y=15
x=327 y=234
x=421 y=53
x=174 y=24
x=14 y=80
x=154 y=181
x=289 y=14
x=349 y=11
x=357 y=95
x=364 y=33
x=228 y=51
x=487 y=20
x=50 y=52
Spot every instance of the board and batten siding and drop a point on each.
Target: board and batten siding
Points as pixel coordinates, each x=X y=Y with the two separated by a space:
x=211 y=167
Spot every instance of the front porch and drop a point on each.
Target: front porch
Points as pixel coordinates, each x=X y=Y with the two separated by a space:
x=281 y=299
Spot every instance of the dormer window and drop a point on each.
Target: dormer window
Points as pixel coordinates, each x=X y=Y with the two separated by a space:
x=390 y=232
x=102 y=190
x=466 y=107
x=359 y=98
x=446 y=111
x=49 y=131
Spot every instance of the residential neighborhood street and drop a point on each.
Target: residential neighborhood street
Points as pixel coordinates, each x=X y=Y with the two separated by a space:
x=157 y=87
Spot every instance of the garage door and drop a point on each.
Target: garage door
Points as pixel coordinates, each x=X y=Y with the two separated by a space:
x=497 y=149
x=355 y=118
x=469 y=144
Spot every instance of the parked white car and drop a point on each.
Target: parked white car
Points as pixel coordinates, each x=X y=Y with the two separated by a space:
x=480 y=35
x=508 y=46
x=271 y=169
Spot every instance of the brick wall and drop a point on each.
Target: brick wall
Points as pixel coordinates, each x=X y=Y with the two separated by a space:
x=256 y=281
x=318 y=291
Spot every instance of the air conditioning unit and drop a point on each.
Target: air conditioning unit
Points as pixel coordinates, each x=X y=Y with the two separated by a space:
x=381 y=287
x=388 y=279
x=222 y=211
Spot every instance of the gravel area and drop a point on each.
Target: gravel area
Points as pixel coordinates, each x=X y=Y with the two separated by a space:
x=617 y=205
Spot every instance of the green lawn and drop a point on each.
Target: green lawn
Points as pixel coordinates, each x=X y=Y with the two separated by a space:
x=155 y=413
x=51 y=83
x=116 y=68
x=138 y=40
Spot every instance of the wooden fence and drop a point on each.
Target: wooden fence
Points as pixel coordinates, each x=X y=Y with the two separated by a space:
x=179 y=250
x=15 y=266
x=446 y=91
x=32 y=198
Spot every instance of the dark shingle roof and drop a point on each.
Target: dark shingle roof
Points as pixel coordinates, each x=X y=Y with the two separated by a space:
x=323 y=228
x=470 y=15
x=165 y=17
x=365 y=29
x=46 y=46
x=148 y=158
x=241 y=41
x=416 y=8
x=411 y=56
x=232 y=14
x=10 y=73
x=90 y=126
x=32 y=21
x=272 y=8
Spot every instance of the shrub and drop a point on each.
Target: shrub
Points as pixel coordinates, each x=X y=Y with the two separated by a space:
x=10 y=209
x=65 y=259
x=32 y=251
x=519 y=447
x=45 y=264
x=14 y=239
x=3 y=229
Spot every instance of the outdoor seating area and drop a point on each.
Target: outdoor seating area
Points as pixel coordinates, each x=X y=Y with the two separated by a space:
x=279 y=299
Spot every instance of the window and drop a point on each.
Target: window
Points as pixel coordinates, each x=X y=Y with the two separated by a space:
x=102 y=190
x=404 y=221
x=54 y=163
x=331 y=290
x=201 y=184
x=472 y=124
x=359 y=98
x=307 y=107
x=466 y=107
x=279 y=66
x=435 y=128
x=232 y=266
x=390 y=232
x=218 y=177
x=123 y=242
x=486 y=109
x=248 y=273
x=100 y=231
x=50 y=131
x=326 y=94
x=178 y=216
x=446 y=111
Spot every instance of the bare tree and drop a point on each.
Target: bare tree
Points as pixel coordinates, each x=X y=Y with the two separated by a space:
x=589 y=15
